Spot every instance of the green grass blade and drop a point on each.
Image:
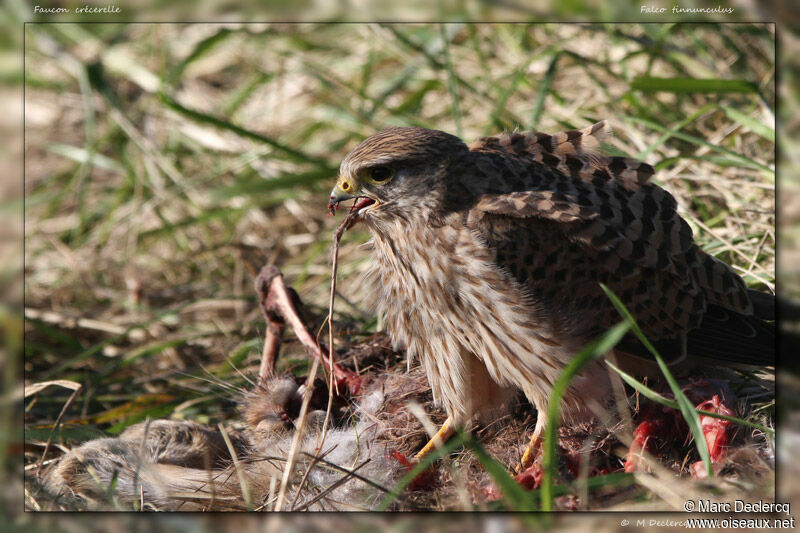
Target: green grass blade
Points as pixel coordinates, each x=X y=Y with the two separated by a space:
x=98 y=347
x=682 y=124
x=211 y=120
x=544 y=90
x=452 y=85
x=692 y=85
x=687 y=409
x=716 y=160
x=652 y=395
x=244 y=92
x=594 y=349
x=750 y=123
x=413 y=101
x=149 y=349
x=518 y=499
x=199 y=50
x=494 y=120
x=419 y=468
x=700 y=142
x=84 y=156
x=261 y=186
x=617 y=479
x=155 y=412
x=54 y=335
x=64 y=433
x=431 y=55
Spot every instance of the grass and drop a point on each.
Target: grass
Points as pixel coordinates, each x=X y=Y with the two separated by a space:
x=593 y=350
x=166 y=162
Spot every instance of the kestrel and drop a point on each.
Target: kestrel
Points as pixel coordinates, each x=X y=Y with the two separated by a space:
x=490 y=259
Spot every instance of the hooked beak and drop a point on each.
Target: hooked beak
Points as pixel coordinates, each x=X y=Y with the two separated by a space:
x=346 y=189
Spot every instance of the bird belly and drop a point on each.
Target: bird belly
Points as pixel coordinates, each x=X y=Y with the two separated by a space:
x=475 y=331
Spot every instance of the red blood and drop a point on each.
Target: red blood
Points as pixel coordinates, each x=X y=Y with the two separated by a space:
x=642 y=436
x=333 y=205
x=401 y=458
x=349 y=379
x=572 y=460
x=657 y=424
x=423 y=480
x=715 y=431
x=343 y=378
x=531 y=477
x=491 y=493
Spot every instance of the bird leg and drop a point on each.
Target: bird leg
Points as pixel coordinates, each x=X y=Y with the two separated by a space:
x=531 y=451
x=534 y=447
x=438 y=440
x=529 y=473
x=426 y=478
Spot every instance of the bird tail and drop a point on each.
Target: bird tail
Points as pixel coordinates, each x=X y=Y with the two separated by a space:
x=763 y=304
x=734 y=337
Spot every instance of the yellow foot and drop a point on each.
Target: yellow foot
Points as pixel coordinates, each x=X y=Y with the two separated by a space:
x=438 y=440
x=531 y=452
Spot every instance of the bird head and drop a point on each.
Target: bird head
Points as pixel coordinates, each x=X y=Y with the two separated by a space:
x=396 y=172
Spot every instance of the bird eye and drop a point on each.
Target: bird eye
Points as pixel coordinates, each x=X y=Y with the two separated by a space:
x=380 y=174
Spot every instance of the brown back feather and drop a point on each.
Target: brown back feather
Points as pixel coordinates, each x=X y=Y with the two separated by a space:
x=573 y=152
x=608 y=206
